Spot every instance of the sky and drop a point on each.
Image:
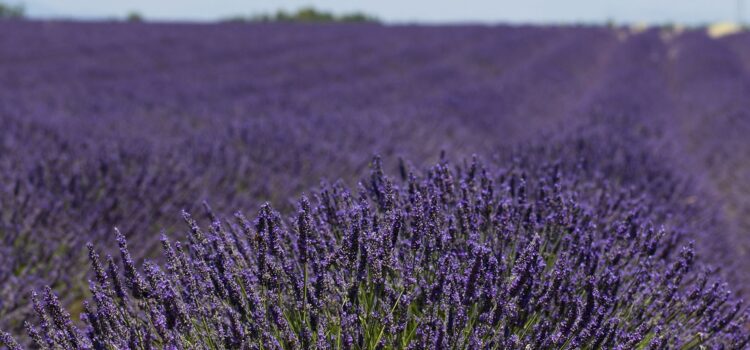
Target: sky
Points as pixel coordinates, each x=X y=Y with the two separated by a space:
x=399 y=11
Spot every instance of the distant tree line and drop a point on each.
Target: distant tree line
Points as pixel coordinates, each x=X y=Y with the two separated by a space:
x=11 y=11
x=305 y=15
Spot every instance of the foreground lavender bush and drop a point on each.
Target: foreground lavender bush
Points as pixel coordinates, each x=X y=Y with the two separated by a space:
x=528 y=257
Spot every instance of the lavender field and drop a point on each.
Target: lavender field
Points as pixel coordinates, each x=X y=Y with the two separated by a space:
x=359 y=186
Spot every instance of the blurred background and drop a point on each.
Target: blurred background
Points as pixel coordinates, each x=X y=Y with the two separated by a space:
x=113 y=114
x=692 y=12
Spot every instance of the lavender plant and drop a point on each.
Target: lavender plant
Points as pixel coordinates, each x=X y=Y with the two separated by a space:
x=466 y=257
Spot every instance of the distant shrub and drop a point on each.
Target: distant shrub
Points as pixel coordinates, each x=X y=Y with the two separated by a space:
x=134 y=17
x=357 y=17
x=12 y=11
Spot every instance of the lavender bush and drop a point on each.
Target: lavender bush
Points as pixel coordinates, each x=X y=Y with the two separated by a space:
x=528 y=256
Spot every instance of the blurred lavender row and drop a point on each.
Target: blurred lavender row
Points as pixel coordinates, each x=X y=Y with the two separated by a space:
x=125 y=125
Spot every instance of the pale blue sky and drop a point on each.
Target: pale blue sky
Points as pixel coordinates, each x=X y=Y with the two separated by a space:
x=486 y=11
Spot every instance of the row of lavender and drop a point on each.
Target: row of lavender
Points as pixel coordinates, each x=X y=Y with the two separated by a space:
x=128 y=124
x=537 y=254
x=89 y=145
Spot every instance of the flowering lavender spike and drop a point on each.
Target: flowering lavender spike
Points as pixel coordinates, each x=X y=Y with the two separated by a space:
x=7 y=340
